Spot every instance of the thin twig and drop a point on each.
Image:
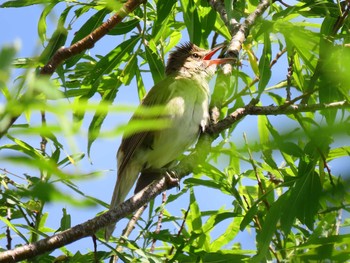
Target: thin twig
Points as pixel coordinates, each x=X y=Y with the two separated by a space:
x=127 y=231
x=257 y=176
x=43 y=139
x=290 y=76
x=159 y=222
x=180 y=229
x=8 y=232
x=254 y=81
x=94 y=239
x=325 y=164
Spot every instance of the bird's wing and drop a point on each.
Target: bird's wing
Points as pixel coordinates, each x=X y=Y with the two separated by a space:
x=159 y=95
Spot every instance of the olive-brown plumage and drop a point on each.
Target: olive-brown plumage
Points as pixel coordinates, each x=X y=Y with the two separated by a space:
x=184 y=94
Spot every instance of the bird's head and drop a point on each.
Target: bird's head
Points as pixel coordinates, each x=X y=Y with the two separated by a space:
x=188 y=60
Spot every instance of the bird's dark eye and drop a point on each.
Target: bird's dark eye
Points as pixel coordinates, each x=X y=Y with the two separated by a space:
x=195 y=55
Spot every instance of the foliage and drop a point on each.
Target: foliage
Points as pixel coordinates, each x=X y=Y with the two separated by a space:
x=280 y=185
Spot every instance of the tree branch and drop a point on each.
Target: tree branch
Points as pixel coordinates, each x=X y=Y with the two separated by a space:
x=231 y=23
x=87 y=228
x=285 y=109
x=89 y=41
x=237 y=40
x=184 y=168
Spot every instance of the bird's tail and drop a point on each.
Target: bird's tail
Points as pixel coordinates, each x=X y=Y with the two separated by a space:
x=125 y=181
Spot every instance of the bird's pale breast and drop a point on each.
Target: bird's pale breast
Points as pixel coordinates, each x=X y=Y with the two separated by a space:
x=188 y=110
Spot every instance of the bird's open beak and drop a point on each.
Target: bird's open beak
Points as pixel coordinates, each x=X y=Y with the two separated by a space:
x=217 y=61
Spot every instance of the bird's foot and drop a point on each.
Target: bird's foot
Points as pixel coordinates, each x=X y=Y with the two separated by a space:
x=149 y=175
x=172 y=179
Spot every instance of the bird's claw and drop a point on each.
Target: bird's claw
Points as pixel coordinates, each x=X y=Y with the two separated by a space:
x=172 y=179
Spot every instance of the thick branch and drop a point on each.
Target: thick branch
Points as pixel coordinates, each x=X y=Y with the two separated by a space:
x=184 y=168
x=237 y=40
x=89 y=41
x=232 y=23
x=87 y=228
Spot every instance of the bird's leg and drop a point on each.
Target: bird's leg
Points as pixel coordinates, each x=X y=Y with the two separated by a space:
x=147 y=176
x=172 y=179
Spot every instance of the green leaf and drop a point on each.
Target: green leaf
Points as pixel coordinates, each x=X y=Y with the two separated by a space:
x=71 y=159
x=7 y=54
x=164 y=9
x=231 y=232
x=263 y=129
x=129 y=70
x=268 y=228
x=14 y=228
x=220 y=27
x=304 y=41
x=141 y=91
x=48 y=192
x=194 y=220
x=191 y=18
x=331 y=66
x=306 y=194
x=23 y=147
x=90 y=25
x=156 y=64
x=207 y=183
x=97 y=120
x=303 y=198
x=207 y=16
x=57 y=40
x=109 y=62
x=124 y=27
x=65 y=220
x=42 y=21
x=290 y=148
x=338 y=153
x=248 y=217
x=21 y=3
x=264 y=64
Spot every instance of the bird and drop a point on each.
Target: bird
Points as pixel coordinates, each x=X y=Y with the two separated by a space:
x=184 y=96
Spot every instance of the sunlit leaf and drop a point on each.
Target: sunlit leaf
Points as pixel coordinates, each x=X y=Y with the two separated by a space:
x=156 y=65
x=22 y=3
x=124 y=27
x=42 y=21
x=269 y=227
x=191 y=18
x=7 y=54
x=105 y=65
x=264 y=64
x=230 y=233
x=65 y=220
x=194 y=216
x=57 y=40
x=97 y=121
